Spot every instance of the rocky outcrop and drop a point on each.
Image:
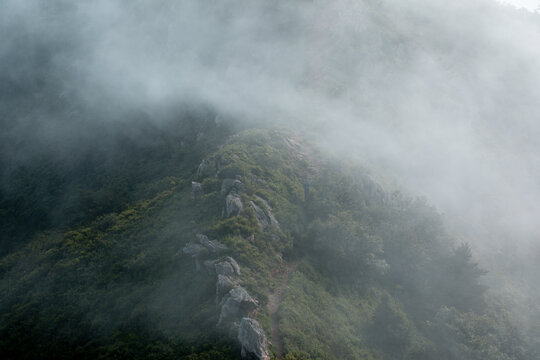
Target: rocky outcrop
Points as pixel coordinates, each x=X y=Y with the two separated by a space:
x=253 y=340
x=265 y=218
x=233 y=204
x=195 y=251
x=228 y=267
x=209 y=265
x=228 y=185
x=192 y=249
x=205 y=246
x=214 y=246
x=237 y=303
x=224 y=285
x=196 y=190
x=208 y=167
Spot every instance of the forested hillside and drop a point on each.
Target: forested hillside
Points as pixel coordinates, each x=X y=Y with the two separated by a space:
x=171 y=252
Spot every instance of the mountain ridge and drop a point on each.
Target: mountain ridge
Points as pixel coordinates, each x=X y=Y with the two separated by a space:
x=377 y=276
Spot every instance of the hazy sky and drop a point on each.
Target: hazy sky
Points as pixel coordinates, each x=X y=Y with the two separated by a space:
x=531 y=5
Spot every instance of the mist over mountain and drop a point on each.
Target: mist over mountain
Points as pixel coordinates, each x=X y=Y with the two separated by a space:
x=106 y=105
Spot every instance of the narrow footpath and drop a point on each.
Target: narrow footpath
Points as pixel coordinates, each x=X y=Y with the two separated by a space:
x=274 y=301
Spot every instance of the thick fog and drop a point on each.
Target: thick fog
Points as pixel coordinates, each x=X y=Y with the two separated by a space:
x=442 y=97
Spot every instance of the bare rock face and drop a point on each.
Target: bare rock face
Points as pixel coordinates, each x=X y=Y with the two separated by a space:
x=253 y=340
x=214 y=246
x=228 y=267
x=237 y=303
x=208 y=167
x=234 y=264
x=264 y=218
x=224 y=268
x=233 y=204
x=224 y=285
x=229 y=185
x=192 y=249
x=196 y=190
x=209 y=266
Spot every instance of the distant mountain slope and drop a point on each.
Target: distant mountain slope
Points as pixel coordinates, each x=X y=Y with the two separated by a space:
x=186 y=270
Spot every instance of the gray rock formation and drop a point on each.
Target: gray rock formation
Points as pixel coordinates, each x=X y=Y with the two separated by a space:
x=234 y=264
x=228 y=185
x=228 y=267
x=196 y=190
x=253 y=340
x=192 y=249
x=265 y=218
x=209 y=265
x=214 y=246
x=206 y=167
x=237 y=303
x=224 y=285
x=224 y=268
x=233 y=204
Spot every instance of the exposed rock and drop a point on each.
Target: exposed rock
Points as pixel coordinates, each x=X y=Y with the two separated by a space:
x=235 y=304
x=206 y=168
x=264 y=218
x=233 y=204
x=214 y=246
x=229 y=267
x=253 y=340
x=256 y=180
x=224 y=268
x=192 y=249
x=443 y=315
x=379 y=265
x=209 y=265
x=234 y=264
x=224 y=284
x=271 y=217
x=196 y=190
x=228 y=185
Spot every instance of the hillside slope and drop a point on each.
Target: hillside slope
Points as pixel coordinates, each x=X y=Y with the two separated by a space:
x=351 y=269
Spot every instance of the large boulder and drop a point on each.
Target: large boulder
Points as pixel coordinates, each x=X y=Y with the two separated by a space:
x=224 y=268
x=233 y=204
x=228 y=185
x=253 y=340
x=214 y=246
x=236 y=304
x=196 y=190
x=192 y=249
x=224 y=285
x=264 y=218
x=228 y=267
x=208 y=167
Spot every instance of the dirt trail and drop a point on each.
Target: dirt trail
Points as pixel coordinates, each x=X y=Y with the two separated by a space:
x=274 y=300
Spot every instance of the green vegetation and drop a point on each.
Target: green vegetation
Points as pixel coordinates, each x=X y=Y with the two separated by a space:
x=378 y=276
